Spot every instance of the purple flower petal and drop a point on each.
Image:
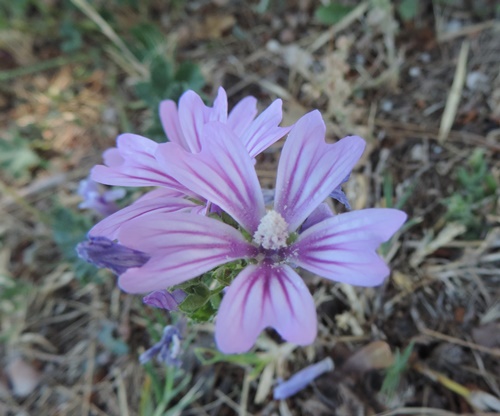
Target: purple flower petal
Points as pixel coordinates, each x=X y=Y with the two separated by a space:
x=138 y=165
x=309 y=168
x=342 y=248
x=222 y=172
x=265 y=296
x=156 y=202
x=163 y=299
x=182 y=246
x=242 y=115
x=193 y=115
x=339 y=194
x=302 y=378
x=113 y=194
x=167 y=350
x=103 y=252
x=112 y=157
x=219 y=110
x=98 y=200
x=264 y=130
x=169 y=117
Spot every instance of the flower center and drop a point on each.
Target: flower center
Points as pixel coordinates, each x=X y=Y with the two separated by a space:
x=272 y=232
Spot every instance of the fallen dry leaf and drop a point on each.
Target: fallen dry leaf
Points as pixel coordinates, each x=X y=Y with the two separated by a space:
x=375 y=356
x=487 y=335
x=214 y=26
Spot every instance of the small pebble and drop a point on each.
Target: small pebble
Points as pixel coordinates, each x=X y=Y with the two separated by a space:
x=477 y=81
x=453 y=26
x=387 y=105
x=415 y=72
x=23 y=377
x=425 y=57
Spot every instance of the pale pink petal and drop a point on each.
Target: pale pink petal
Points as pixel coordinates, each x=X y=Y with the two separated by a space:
x=193 y=115
x=109 y=227
x=309 y=169
x=133 y=163
x=169 y=117
x=242 y=115
x=181 y=246
x=112 y=157
x=219 y=110
x=342 y=248
x=264 y=130
x=265 y=296
x=222 y=172
x=162 y=193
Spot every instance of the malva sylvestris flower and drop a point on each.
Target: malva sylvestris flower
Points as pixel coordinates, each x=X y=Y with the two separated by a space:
x=299 y=232
x=133 y=163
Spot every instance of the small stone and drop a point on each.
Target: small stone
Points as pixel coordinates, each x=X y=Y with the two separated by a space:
x=417 y=153
x=415 y=72
x=425 y=57
x=387 y=105
x=477 y=81
x=23 y=377
x=453 y=26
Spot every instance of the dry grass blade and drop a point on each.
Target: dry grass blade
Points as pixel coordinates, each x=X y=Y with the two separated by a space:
x=450 y=111
x=343 y=24
x=468 y=30
x=111 y=35
x=492 y=351
x=477 y=398
x=428 y=411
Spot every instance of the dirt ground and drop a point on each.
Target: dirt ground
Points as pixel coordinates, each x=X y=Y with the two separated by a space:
x=420 y=83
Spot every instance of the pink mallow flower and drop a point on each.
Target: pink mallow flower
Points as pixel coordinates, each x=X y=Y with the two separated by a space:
x=133 y=163
x=268 y=292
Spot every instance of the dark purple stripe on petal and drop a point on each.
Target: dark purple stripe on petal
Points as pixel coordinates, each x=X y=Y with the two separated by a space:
x=265 y=295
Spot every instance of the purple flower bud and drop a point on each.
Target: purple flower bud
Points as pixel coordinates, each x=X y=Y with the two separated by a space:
x=167 y=350
x=323 y=212
x=339 y=194
x=164 y=299
x=103 y=252
x=98 y=200
x=302 y=378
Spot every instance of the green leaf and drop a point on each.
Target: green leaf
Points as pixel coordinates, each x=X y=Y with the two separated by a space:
x=189 y=75
x=69 y=229
x=408 y=9
x=394 y=372
x=71 y=36
x=215 y=301
x=203 y=314
x=148 y=40
x=16 y=156
x=332 y=13
x=208 y=356
x=161 y=76
x=107 y=339
x=226 y=273
x=192 y=303
x=197 y=296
